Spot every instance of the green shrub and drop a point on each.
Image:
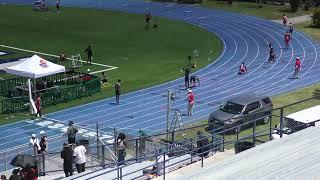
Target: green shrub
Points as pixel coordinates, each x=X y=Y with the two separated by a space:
x=316 y=17
x=190 y=1
x=294 y=4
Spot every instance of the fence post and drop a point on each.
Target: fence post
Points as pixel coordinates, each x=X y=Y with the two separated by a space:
x=137 y=148
x=5 y=161
x=43 y=164
x=97 y=134
x=103 y=156
x=223 y=142
x=254 y=132
x=192 y=150
x=270 y=128
x=202 y=154
x=120 y=173
x=164 y=166
x=115 y=142
x=281 y=122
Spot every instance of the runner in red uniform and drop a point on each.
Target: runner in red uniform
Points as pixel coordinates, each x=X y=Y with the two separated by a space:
x=287 y=39
x=297 y=68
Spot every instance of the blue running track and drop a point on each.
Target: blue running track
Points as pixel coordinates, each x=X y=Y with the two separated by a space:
x=245 y=39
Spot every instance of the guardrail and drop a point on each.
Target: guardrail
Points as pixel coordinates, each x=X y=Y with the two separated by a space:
x=220 y=139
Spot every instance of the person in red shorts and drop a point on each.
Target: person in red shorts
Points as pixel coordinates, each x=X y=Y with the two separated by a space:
x=190 y=98
x=287 y=38
x=242 y=69
x=297 y=68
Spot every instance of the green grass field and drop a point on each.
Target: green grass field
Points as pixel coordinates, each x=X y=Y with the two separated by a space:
x=268 y=11
x=144 y=58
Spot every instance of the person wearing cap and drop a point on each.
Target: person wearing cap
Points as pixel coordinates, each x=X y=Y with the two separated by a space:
x=34 y=144
x=297 y=68
x=67 y=156
x=79 y=156
x=190 y=98
x=71 y=133
x=43 y=148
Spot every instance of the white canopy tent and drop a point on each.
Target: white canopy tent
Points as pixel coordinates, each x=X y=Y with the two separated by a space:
x=35 y=67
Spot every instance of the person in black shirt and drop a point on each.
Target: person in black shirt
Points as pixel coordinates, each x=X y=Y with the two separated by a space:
x=186 y=77
x=67 y=156
x=89 y=53
x=147 y=18
x=117 y=89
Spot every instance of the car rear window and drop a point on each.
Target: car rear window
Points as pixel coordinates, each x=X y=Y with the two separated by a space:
x=266 y=100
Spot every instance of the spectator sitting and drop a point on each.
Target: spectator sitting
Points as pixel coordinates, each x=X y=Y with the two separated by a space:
x=242 y=69
x=63 y=56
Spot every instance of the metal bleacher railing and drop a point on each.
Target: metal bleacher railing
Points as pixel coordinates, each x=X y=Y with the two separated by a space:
x=103 y=153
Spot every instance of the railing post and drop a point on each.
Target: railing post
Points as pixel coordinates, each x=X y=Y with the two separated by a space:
x=202 y=154
x=192 y=150
x=281 y=122
x=223 y=142
x=43 y=164
x=97 y=134
x=270 y=127
x=137 y=149
x=103 y=156
x=254 y=132
x=120 y=173
x=164 y=166
x=115 y=142
x=5 y=161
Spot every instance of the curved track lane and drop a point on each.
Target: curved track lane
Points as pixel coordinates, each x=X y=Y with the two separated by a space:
x=245 y=39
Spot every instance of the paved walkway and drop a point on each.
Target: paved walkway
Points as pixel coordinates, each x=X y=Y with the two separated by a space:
x=295 y=20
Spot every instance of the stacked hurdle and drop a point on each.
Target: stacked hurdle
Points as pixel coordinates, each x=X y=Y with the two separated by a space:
x=75 y=61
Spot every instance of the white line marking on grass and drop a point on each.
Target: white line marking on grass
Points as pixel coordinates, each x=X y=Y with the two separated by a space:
x=52 y=55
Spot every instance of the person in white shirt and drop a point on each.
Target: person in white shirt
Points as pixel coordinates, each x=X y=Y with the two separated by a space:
x=34 y=144
x=79 y=156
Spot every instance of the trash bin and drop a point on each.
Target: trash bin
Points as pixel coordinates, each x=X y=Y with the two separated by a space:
x=242 y=146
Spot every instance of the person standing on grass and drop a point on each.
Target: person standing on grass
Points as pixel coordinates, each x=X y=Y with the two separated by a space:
x=89 y=53
x=287 y=39
x=284 y=20
x=58 y=6
x=147 y=17
x=38 y=106
x=291 y=28
x=297 y=68
x=117 y=89
x=67 y=156
x=190 y=98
